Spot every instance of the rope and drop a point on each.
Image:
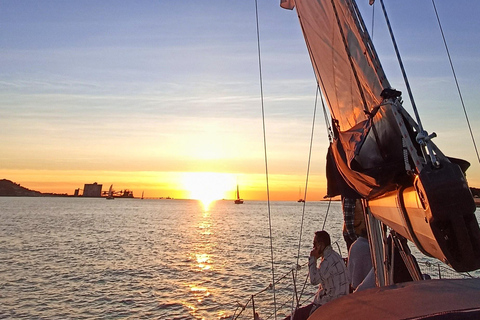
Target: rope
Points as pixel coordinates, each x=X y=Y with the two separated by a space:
x=326 y=215
x=308 y=173
x=456 y=81
x=422 y=136
x=266 y=159
x=400 y=62
x=373 y=19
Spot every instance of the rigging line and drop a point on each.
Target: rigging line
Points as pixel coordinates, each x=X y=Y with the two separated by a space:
x=400 y=62
x=308 y=174
x=373 y=19
x=266 y=159
x=456 y=80
x=326 y=215
x=325 y=116
x=304 y=286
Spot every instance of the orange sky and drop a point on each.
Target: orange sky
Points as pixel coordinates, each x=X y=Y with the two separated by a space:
x=172 y=184
x=139 y=95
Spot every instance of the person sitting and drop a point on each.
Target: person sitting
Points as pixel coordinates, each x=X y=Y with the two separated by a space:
x=330 y=275
x=359 y=260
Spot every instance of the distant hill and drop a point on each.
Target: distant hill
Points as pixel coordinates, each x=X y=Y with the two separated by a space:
x=12 y=189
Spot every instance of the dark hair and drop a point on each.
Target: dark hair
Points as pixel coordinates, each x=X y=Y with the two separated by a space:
x=323 y=236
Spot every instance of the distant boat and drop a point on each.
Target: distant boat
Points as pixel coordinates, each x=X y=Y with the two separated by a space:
x=142 y=194
x=238 y=200
x=110 y=193
x=300 y=195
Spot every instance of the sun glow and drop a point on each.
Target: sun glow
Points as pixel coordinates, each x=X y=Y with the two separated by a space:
x=208 y=186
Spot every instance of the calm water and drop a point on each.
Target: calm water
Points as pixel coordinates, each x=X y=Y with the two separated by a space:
x=130 y=258
x=149 y=259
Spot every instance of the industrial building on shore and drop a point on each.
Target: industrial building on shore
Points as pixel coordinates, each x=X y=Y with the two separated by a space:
x=94 y=190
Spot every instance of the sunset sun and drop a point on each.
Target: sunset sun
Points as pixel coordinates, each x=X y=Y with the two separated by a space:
x=208 y=186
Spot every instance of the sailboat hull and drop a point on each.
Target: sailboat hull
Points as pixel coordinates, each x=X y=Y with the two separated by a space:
x=437 y=214
x=430 y=299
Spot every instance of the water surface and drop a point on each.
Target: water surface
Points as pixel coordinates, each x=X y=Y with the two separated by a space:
x=87 y=258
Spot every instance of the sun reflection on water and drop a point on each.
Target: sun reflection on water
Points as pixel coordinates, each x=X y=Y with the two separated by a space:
x=199 y=293
x=202 y=260
x=205 y=228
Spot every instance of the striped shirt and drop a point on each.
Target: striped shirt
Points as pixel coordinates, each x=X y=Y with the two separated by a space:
x=331 y=276
x=348 y=206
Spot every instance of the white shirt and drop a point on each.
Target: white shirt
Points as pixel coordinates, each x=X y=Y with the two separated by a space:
x=331 y=276
x=359 y=261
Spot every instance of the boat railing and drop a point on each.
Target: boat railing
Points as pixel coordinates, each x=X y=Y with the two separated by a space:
x=437 y=270
x=288 y=290
x=294 y=286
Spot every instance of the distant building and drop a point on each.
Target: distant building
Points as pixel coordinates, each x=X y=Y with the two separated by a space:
x=92 y=190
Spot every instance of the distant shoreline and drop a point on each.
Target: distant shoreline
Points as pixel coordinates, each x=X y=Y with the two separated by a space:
x=9 y=188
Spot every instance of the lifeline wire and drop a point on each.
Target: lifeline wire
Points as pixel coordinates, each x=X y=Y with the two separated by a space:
x=456 y=81
x=266 y=161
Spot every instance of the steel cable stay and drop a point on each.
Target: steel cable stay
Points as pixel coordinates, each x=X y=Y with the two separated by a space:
x=266 y=159
x=456 y=80
x=274 y=281
x=294 y=270
x=423 y=138
x=308 y=173
x=317 y=93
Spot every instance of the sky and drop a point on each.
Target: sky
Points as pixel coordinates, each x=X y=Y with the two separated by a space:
x=152 y=96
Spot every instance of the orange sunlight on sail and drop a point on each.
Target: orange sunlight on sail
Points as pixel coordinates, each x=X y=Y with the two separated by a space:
x=208 y=186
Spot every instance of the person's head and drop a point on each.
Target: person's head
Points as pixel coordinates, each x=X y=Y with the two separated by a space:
x=321 y=240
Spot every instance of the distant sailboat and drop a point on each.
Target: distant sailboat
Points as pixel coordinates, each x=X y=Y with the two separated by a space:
x=300 y=199
x=238 y=200
x=142 y=195
x=110 y=193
